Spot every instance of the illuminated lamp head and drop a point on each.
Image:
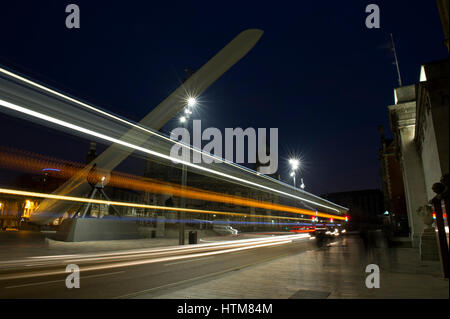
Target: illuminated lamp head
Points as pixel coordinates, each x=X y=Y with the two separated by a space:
x=191 y=101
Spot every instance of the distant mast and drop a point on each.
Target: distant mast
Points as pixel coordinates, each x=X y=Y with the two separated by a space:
x=396 y=62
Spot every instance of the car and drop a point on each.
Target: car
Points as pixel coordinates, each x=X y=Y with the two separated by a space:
x=225 y=230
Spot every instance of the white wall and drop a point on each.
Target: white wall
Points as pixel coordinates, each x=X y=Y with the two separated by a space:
x=430 y=158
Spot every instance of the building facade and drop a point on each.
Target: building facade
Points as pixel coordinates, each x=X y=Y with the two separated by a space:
x=419 y=121
x=392 y=186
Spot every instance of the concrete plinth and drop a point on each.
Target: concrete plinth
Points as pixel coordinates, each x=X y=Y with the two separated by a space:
x=87 y=229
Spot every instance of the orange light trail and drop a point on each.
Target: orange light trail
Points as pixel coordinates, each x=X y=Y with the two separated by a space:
x=127 y=204
x=35 y=163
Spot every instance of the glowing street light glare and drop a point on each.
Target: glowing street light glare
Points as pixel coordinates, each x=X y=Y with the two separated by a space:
x=191 y=101
x=295 y=163
x=182 y=119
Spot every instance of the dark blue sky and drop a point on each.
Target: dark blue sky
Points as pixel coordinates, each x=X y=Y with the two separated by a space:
x=318 y=74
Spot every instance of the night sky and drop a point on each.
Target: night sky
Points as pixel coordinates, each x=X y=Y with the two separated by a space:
x=318 y=74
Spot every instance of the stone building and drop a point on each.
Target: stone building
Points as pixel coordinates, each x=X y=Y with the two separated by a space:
x=419 y=120
x=392 y=186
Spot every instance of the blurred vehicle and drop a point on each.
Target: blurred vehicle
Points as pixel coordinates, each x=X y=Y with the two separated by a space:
x=225 y=230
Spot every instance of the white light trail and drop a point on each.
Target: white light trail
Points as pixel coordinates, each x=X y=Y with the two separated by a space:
x=80 y=103
x=145 y=150
x=152 y=252
x=117 y=261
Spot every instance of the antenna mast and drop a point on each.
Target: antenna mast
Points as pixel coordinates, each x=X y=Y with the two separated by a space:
x=396 y=61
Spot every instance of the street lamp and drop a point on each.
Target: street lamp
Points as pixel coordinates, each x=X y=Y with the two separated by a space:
x=295 y=163
x=190 y=102
x=302 y=185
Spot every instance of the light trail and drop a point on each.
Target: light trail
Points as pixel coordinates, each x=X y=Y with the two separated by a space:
x=155 y=133
x=142 y=257
x=198 y=248
x=127 y=204
x=148 y=151
x=136 y=263
x=119 y=179
x=133 y=253
x=189 y=248
x=90 y=107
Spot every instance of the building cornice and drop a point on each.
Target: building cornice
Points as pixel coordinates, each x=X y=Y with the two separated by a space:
x=402 y=115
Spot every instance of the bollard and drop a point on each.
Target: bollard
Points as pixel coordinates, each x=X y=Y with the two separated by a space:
x=193 y=238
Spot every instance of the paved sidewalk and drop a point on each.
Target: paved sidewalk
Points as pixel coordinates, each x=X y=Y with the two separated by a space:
x=336 y=271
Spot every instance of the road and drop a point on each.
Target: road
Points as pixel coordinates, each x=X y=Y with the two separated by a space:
x=128 y=274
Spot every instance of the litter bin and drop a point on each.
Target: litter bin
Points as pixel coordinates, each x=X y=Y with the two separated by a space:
x=192 y=237
x=153 y=234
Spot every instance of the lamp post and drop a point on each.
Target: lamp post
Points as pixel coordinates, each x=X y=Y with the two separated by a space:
x=293 y=176
x=190 y=102
x=295 y=163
